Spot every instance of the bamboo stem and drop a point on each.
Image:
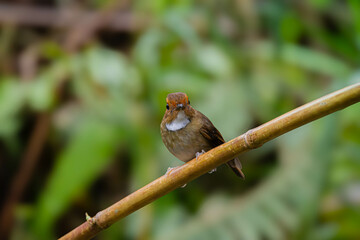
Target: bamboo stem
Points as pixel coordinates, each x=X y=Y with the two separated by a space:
x=181 y=175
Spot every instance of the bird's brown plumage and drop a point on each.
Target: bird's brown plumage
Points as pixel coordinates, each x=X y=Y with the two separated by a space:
x=198 y=134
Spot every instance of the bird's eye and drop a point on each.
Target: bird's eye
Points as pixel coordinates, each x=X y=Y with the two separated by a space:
x=167 y=106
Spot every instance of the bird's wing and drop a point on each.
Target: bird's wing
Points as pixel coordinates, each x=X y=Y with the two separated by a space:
x=210 y=133
x=213 y=136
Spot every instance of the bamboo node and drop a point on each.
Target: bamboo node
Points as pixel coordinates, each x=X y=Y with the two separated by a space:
x=249 y=141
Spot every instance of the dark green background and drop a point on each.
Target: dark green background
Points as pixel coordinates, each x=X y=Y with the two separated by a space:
x=242 y=63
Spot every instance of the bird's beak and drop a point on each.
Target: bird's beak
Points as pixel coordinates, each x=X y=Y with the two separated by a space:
x=180 y=105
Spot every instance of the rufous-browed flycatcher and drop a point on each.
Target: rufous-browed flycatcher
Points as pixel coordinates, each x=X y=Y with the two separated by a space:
x=187 y=132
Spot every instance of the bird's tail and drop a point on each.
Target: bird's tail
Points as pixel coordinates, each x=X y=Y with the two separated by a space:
x=236 y=166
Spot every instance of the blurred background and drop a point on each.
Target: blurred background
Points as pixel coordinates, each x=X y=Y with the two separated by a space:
x=82 y=94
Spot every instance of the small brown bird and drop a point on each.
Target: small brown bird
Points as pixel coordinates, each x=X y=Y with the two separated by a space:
x=187 y=133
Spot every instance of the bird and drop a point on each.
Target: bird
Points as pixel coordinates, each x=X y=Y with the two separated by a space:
x=187 y=133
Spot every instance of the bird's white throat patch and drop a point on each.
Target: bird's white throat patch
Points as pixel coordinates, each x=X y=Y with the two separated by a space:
x=179 y=122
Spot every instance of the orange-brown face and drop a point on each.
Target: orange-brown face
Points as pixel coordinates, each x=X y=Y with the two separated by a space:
x=177 y=100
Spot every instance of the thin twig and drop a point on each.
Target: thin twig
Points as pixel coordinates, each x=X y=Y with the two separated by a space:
x=33 y=150
x=88 y=24
x=22 y=177
x=63 y=17
x=254 y=138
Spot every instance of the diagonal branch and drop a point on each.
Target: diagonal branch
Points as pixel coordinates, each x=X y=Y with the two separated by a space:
x=254 y=138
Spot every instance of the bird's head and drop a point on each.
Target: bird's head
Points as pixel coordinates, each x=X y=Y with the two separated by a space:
x=177 y=103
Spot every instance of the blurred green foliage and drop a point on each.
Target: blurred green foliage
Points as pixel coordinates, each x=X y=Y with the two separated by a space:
x=241 y=63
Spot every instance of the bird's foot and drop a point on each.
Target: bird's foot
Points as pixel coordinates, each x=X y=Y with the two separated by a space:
x=169 y=170
x=212 y=171
x=199 y=153
x=183 y=185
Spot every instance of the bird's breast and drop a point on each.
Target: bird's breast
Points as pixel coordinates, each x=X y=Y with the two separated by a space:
x=180 y=122
x=185 y=142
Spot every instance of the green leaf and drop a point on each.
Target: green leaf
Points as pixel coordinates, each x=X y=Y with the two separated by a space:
x=11 y=101
x=214 y=61
x=306 y=58
x=43 y=89
x=89 y=151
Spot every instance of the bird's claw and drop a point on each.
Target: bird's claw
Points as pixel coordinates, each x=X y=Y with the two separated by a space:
x=169 y=170
x=212 y=171
x=199 y=153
